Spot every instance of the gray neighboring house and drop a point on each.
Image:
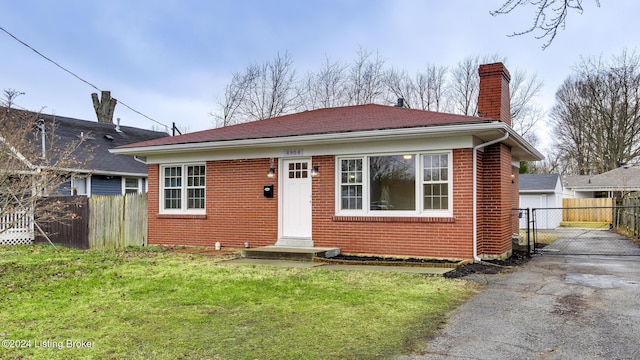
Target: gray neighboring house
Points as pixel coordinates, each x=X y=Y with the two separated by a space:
x=544 y=193
x=611 y=184
x=105 y=173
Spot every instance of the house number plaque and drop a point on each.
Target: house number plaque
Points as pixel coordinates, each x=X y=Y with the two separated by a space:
x=293 y=152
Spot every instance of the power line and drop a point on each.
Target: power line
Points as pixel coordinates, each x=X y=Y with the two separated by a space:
x=78 y=77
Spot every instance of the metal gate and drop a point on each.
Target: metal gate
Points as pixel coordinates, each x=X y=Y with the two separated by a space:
x=581 y=230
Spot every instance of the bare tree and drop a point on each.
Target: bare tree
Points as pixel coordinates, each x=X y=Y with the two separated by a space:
x=425 y=91
x=571 y=126
x=465 y=86
x=552 y=164
x=33 y=165
x=366 y=78
x=160 y=128
x=272 y=92
x=262 y=91
x=234 y=96
x=401 y=86
x=525 y=112
x=431 y=87
x=326 y=88
x=549 y=16
x=597 y=115
x=9 y=96
x=271 y=89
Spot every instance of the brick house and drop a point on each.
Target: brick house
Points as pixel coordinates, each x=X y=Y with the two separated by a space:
x=368 y=179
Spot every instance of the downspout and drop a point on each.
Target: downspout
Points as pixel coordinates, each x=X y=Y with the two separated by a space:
x=145 y=181
x=43 y=129
x=475 y=191
x=136 y=158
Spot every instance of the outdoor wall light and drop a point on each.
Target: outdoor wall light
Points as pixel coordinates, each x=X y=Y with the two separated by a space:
x=513 y=179
x=314 y=171
x=272 y=170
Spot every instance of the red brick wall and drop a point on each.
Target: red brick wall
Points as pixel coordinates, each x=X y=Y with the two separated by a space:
x=515 y=200
x=428 y=237
x=493 y=98
x=496 y=201
x=237 y=211
x=480 y=212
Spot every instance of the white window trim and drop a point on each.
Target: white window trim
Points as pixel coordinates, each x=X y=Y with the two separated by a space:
x=124 y=184
x=87 y=184
x=183 y=200
x=419 y=180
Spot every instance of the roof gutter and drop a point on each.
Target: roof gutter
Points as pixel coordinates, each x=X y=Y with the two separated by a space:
x=475 y=191
x=295 y=140
x=136 y=158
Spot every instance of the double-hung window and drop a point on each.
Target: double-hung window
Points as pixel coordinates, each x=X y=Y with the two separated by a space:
x=413 y=184
x=351 y=184
x=131 y=185
x=435 y=182
x=183 y=189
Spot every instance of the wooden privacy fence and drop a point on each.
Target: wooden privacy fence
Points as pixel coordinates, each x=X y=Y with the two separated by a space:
x=628 y=217
x=587 y=210
x=101 y=222
x=117 y=221
x=72 y=229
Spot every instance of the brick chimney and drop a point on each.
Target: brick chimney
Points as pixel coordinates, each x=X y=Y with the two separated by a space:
x=494 y=101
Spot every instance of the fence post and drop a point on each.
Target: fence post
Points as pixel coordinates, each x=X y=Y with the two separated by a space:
x=528 y=233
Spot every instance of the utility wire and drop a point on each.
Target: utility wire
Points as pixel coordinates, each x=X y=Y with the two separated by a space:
x=78 y=77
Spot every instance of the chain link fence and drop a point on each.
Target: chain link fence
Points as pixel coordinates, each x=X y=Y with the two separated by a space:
x=580 y=230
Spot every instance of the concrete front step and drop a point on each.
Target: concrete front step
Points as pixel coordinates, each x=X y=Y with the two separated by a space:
x=289 y=253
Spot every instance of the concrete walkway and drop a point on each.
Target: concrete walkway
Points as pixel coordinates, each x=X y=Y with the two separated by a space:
x=329 y=266
x=554 y=307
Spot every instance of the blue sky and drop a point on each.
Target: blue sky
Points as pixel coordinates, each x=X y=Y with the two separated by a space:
x=171 y=59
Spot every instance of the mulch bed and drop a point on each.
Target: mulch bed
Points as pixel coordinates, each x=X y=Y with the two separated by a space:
x=459 y=269
x=389 y=261
x=489 y=267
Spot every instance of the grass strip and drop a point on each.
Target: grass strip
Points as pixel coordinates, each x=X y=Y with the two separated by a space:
x=141 y=303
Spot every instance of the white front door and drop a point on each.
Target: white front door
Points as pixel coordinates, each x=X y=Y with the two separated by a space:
x=296 y=202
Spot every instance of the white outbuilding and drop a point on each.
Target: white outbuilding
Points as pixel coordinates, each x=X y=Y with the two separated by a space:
x=542 y=192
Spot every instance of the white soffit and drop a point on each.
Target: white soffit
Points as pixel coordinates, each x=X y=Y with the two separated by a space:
x=403 y=139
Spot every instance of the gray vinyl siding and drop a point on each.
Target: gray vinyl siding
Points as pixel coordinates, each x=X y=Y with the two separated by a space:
x=63 y=190
x=106 y=185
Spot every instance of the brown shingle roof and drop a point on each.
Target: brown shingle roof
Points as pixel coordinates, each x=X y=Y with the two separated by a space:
x=321 y=121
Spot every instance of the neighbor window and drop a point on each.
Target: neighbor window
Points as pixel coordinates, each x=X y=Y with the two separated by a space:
x=183 y=188
x=400 y=184
x=79 y=186
x=131 y=185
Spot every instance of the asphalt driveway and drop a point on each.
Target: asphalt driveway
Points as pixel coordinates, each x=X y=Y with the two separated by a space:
x=554 y=307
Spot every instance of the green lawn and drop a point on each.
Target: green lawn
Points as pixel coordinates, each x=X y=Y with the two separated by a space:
x=543 y=237
x=585 y=224
x=153 y=303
